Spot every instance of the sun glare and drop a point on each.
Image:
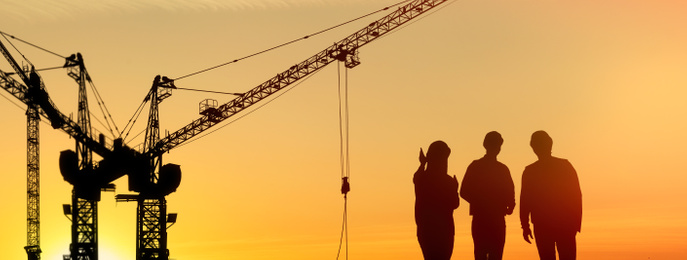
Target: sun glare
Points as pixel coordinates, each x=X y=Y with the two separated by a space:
x=108 y=254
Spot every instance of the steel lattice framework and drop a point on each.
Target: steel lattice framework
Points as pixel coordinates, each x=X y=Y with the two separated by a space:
x=33 y=238
x=49 y=111
x=152 y=229
x=84 y=244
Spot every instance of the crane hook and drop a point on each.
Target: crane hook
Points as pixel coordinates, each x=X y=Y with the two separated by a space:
x=345 y=186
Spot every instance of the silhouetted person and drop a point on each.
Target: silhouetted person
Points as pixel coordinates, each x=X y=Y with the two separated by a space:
x=551 y=195
x=488 y=187
x=436 y=196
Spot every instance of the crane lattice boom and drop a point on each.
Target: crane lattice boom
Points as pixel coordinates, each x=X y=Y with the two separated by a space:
x=49 y=111
x=344 y=50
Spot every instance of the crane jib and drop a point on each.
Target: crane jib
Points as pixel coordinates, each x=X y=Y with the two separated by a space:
x=344 y=50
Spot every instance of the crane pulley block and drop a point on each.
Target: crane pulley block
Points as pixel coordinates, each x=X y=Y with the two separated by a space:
x=348 y=56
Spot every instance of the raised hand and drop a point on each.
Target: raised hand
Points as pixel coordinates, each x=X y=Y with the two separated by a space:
x=527 y=234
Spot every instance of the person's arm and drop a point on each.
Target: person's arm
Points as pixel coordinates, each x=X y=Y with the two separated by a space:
x=577 y=195
x=421 y=168
x=456 y=196
x=525 y=208
x=423 y=161
x=466 y=188
x=510 y=199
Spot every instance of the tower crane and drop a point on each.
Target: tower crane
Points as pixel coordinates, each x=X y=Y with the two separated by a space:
x=84 y=208
x=32 y=80
x=152 y=180
x=21 y=91
x=32 y=92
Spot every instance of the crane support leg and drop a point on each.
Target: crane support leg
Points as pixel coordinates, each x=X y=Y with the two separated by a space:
x=85 y=210
x=84 y=229
x=33 y=248
x=151 y=229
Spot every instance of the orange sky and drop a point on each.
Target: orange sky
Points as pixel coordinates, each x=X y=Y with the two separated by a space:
x=606 y=79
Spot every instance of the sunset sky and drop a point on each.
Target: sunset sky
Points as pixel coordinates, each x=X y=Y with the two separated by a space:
x=606 y=79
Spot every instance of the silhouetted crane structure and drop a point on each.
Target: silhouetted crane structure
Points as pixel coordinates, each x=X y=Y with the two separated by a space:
x=147 y=175
x=21 y=92
x=84 y=205
x=85 y=196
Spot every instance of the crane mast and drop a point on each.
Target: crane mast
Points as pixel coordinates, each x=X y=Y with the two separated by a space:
x=151 y=216
x=33 y=248
x=33 y=238
x=84 y=211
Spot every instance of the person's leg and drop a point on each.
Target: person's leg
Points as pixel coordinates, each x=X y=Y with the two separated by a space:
x=545 y=244
x=436 y=245
x=479 y=235
x=425 y=244
x=567 y=246
x=446 y=247
x=498 y=239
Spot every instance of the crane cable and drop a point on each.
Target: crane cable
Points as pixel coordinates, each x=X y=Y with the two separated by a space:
x=129 y=125
x=103 y=110
x=4 y=35
x=344 y=153
x=289 y=42
x=30 y=44
x=259 y=106
x=100 y=101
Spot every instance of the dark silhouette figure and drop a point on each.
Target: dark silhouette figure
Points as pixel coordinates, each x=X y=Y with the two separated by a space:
x=488 y=187
x=436 y=196
x=551 y=195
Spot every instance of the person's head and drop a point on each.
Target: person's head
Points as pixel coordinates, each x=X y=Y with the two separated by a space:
x=492 y=143
x=541 y=144
x=438 y=151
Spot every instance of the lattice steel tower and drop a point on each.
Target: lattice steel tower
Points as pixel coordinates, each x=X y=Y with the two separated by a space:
x=84 y=244
x=33 y=201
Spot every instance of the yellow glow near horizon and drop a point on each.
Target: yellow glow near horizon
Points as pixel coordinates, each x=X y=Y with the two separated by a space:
x=606 y=79
x=106 y=253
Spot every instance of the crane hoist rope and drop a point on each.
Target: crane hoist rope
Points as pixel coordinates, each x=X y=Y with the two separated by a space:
x=344 y=157
x=344 y=230
x=343 y=122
